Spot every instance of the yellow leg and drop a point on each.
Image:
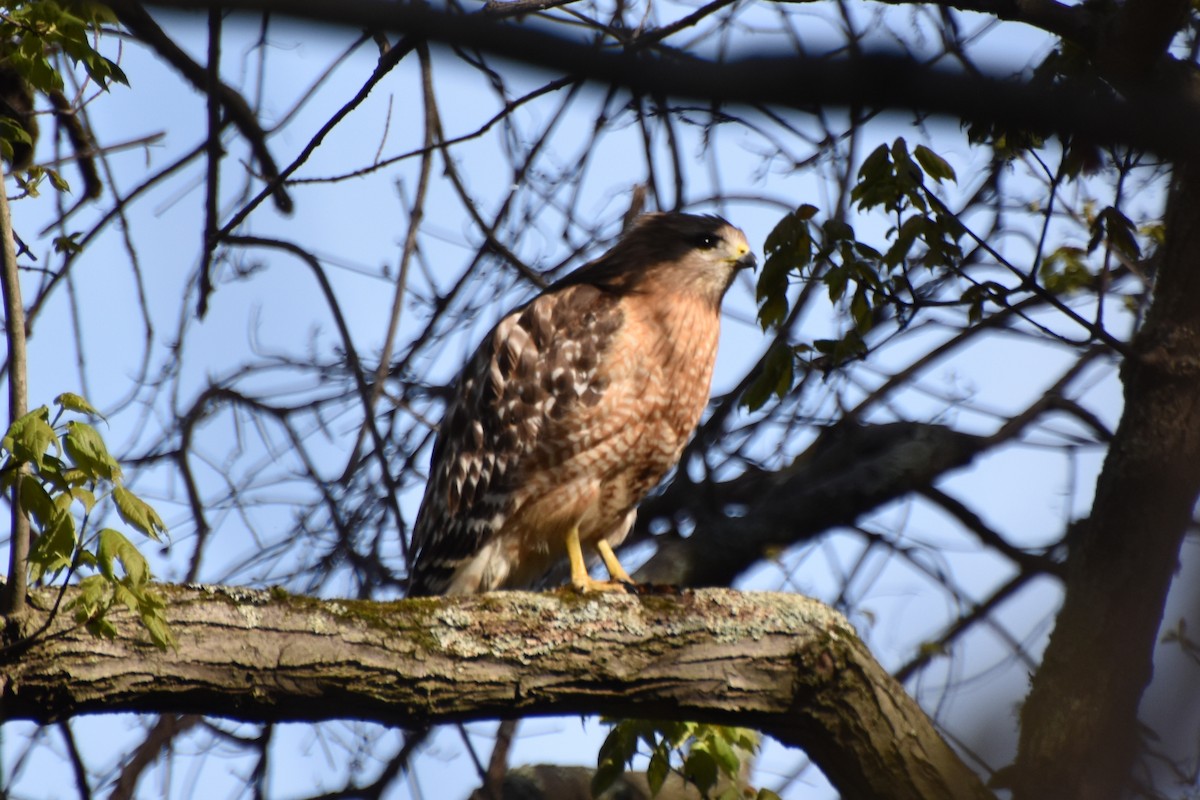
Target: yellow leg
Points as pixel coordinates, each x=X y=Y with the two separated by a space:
x=615 y=569
x=579 y=574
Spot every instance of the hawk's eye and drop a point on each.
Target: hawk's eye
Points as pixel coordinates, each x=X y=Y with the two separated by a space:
x=707 y=241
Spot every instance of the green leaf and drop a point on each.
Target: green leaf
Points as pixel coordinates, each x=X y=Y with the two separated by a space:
x=837 y=230
x=861 y=310
x=934 y=165
x=85 y=497
x=1081 y=158
x=13 y=136
x=29 y=437
x=1122 y=233
x=788 y=249
x=86 y=448
x=59 y=475
x=36 y=501
x=778 y=373
x=746 y=739
x=767 y=794
x=124 y=595
x=605 y=776
x=838 y=352
x=138 y=513
x=908 y=175
x=673 y=733
x=95 y=596
x=616 y=751
x=876 y=166
x=55 y=546
x=57 y=180
x=115 y=547
x=620 y=744
x=73 y=402
x=877 y=184
x=68 y=243
x=700 y=768
x=657 y=771
x=911 y=229
x=101 y=628
x=153 y=616
x=773 y=310
x=1065 y=271
x=727 y=760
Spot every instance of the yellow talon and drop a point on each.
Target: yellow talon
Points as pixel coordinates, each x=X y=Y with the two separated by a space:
x=615 y=569
x=580 y=579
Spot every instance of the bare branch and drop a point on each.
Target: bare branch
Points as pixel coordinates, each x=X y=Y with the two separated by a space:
x=158 y=738
x=1154 y=117
x=135 y=18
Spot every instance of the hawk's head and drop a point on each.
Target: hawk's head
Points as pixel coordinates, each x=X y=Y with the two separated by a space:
x=672 y=252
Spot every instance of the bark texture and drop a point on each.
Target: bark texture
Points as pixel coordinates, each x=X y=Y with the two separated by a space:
x=1079 y=724
x=849 y=471
x=784 y=664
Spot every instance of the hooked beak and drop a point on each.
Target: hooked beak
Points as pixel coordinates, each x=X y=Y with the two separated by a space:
x=746 y=261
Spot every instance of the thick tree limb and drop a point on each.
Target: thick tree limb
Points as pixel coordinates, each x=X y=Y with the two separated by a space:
x=784 y=664
x=1071 y=22
x=1079 y=726
x=1158 y=118
x=849 y=471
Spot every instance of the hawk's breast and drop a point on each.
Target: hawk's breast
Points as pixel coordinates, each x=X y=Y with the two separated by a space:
x=597 y=460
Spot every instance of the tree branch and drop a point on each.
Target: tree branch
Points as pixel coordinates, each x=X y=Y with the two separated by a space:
x=14 y=330
x=143 y=26
x=847 y=472
x=784 y=664
x=1158 y=118
x=1079 y=728
x=1071 y=22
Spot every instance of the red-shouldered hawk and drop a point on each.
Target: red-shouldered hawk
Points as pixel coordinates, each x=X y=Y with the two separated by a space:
x=573 y=408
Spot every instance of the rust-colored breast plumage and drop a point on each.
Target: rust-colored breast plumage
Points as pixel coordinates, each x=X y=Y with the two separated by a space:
x=571 y=410
x=569 y=413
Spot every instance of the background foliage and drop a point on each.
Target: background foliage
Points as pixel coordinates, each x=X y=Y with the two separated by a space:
x=281 y=242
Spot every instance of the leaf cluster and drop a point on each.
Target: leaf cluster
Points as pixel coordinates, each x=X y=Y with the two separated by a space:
x=921 y=263
x=62 y=470
x=33 y=30
x=1066 y=64
x=32 y=34
x=870 y=283
x=710 y=757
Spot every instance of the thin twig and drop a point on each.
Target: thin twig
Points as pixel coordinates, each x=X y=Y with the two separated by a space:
x=158 y=739
x=78 y=770
x=212 y=181
x=410 y=246
x=353 y=361
x=139 y=22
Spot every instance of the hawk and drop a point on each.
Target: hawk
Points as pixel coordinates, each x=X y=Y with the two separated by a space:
x=573 y=408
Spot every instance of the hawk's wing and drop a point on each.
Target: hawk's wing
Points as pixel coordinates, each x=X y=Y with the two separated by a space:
x=537 y=364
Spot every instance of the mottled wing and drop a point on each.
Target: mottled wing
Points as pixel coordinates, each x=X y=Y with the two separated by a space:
x=538 y=363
